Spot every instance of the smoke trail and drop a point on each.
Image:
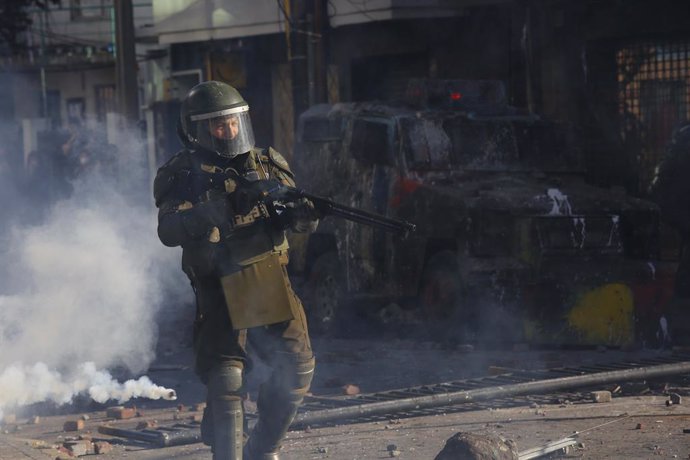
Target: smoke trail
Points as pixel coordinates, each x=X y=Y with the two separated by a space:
x=81 y=292
x=24 y=385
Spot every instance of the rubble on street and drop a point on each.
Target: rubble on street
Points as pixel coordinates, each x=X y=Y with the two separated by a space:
x=567 y=424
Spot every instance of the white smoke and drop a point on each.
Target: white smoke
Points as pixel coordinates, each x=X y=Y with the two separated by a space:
x=81 y=292
x=24 y=385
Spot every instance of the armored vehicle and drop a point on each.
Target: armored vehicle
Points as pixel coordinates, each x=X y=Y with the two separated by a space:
x=511 y=243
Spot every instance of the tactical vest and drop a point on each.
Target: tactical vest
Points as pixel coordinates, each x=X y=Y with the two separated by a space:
x=248 y=237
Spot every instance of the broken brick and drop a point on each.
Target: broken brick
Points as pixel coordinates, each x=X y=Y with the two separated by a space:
x=102 y=447
x=63 y=454
x=146 y=424
x=73 y=425
x=601 y=396
x=350 y=389
x=120 y=412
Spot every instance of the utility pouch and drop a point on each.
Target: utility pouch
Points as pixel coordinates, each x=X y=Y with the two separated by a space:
x=259 y=294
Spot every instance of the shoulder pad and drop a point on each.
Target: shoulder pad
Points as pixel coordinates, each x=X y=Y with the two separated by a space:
x=277 y=160
x=167 y=174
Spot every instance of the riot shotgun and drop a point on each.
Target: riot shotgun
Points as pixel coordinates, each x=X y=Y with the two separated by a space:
x=327 y=207
x=276 y=196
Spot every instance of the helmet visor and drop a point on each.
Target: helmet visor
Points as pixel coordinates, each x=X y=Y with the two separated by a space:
x=226 y=132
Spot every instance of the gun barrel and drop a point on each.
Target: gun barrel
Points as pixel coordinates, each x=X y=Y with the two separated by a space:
x=329 y=207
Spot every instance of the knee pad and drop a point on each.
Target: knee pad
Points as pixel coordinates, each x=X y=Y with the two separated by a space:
x=225 y=382
x=293 y=373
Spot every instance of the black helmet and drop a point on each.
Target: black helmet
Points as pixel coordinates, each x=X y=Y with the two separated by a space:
x=214 y=116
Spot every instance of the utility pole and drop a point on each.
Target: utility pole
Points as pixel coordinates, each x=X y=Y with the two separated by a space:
x=307 y=60
x=125 y=61
x=299 y=57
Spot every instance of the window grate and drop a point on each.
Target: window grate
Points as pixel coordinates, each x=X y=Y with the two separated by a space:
x=653 y=98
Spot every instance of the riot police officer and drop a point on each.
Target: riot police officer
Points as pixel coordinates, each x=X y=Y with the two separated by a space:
x=235 y=253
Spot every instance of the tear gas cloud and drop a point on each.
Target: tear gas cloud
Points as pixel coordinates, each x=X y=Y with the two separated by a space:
x=81 y=287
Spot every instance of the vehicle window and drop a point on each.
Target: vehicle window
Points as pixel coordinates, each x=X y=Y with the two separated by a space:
x=483 y=144
x=426 y=145
x=322 y=129
x=370 y=141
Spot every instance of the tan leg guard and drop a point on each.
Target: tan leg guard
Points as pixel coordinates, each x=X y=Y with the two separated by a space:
x=279 y=399
x=224 y=387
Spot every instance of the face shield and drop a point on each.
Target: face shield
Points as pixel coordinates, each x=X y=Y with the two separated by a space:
x=227 y=132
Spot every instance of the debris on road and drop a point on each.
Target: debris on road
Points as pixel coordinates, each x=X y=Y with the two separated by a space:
x=554 y=446
x=350 y=389
x=73 y=425
x=121 y=412
x=102 y=447
x=601 y=396
x=472 y=446
x=78 y=448
x=393 y=450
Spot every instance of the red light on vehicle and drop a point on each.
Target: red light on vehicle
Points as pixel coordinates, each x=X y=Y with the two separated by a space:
x=403 y=188
x=455 y=96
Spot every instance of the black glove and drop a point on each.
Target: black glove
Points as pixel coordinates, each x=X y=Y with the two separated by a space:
x=248 y=194
x=205 y=215
x=300 y=216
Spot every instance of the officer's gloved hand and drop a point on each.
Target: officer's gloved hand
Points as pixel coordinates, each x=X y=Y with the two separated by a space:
x=203 y=216
x=301 y=216
x=250 y=193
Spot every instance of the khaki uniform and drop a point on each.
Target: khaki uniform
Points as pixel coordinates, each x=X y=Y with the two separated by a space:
x=241 y=285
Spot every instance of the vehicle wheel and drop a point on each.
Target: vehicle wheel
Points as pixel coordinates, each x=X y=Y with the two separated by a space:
x=441 y=286
x=324 y=292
